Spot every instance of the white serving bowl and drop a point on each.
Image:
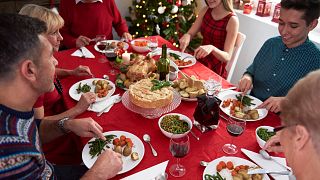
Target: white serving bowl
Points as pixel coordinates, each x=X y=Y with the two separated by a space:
x=140 y=49
x=260 y=141
x=171 y=135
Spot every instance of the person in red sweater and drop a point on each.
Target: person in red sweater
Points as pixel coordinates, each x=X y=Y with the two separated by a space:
x=84 y=19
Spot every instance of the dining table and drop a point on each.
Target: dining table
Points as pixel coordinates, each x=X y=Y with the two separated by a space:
x=119 y=118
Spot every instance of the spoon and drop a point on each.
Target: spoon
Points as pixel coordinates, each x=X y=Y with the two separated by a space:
x=146 y=138
x=266 y=155
x=204 y=163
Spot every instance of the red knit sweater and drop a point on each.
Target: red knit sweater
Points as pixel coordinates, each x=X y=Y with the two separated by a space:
x=90 y=19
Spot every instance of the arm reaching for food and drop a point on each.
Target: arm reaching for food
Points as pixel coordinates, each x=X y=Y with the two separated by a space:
x=272 y=104
x=245 y=83
x=273 y=144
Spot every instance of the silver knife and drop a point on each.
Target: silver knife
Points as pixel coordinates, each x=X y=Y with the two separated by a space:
x=264 y=171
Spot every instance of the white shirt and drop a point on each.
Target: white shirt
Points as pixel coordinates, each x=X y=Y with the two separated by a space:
x=77 y=1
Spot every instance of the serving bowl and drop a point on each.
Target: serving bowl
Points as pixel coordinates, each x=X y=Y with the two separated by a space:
x=260 y=141
x=175 y=135
x=140 y=45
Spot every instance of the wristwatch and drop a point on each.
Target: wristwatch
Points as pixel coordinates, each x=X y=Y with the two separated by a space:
x=61 y=124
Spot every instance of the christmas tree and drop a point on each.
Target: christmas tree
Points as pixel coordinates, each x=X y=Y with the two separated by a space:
x=168 y=18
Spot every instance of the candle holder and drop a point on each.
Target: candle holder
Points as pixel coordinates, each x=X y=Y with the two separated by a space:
x=276 y=13
x=263 y=8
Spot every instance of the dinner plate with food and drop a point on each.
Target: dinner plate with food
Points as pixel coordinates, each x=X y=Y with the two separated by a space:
x=102 y=87
x=182 y=60
x=232 y=106
x=110 y=46
x=128 y=145
x=231 y=168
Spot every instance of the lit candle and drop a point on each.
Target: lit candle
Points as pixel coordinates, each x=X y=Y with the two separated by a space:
x=126 y=58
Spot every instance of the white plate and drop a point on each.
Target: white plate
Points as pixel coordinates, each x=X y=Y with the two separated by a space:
x=128 y=163
x=185 y=57
x=74 y=94
x=182 y=56
x=225 y=173
x=126 y=46
x=262 y=112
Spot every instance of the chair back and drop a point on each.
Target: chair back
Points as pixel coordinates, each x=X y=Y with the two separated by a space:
x=235 y=55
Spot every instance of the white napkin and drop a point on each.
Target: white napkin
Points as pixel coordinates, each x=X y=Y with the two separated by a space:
x=99 y=106
x=268 y=164
x=149 y=173
x=85 y=52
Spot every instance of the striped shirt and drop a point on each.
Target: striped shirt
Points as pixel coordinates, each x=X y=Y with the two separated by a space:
x=21 y=156
x=276 y=68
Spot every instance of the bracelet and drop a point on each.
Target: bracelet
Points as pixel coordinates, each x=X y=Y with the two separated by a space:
x=61 y=125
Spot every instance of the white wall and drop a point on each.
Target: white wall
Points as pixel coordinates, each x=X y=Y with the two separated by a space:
x=123 y=6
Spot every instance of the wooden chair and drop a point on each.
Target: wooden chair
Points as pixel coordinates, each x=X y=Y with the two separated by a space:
x=235 y=55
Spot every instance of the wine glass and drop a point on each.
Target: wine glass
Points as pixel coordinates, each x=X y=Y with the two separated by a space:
x=102 y=45
x=235 y=127
x=179 y=147
x=153 y=43
x=213 y=86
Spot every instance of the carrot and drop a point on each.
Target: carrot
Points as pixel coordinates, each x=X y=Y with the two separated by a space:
x=233 y=173
x=223 y=164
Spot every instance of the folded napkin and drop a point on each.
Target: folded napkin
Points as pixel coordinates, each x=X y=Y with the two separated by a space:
x=149 y=173
x=268 y=164
x=99 y=106
x=83 y=53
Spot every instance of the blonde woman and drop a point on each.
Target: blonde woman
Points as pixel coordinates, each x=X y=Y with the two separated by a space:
x=219 y=28
x=50 y=106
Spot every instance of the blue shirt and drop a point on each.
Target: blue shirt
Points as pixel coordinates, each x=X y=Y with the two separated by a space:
x=276 y=68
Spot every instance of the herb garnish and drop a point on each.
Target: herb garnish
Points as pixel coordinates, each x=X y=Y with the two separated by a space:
x=157 y=84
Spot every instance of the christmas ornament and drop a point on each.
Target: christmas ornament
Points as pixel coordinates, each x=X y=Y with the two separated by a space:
x=186 y=2
x=161 y=9
x=138 y=1
x=170 y=1
x=178 y=2
x=174 y=9
x=158 y=29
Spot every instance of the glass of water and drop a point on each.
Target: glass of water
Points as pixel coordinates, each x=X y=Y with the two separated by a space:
x=213 y=86
x=153 y=43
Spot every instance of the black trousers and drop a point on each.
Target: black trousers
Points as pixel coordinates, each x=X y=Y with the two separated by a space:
x=69 y=172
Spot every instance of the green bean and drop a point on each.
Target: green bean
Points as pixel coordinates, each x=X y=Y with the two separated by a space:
x=98 y=145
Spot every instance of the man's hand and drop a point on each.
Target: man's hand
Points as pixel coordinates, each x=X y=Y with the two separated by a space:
x=245 y=83
x=273 y=144
x=127 y=37
x=203 y=51
x=108 y=164
x=85 y=100
x=82 y=41
x=82 y=71
x=85 y=127
x=272 y=104
x=184 y=41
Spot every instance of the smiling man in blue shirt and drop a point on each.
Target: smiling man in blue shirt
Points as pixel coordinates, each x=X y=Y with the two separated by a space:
x=285 y=59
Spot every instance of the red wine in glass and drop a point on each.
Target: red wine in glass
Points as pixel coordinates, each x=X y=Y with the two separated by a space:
x=179 y=147
x=102 y=46
x=179 y=151
x=235 y=128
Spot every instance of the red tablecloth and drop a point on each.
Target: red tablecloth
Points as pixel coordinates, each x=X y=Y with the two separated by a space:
x=120 y=118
